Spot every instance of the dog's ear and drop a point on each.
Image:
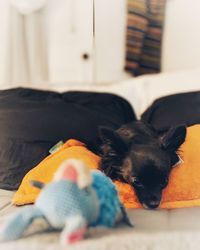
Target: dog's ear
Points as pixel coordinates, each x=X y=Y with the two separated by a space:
x=112 y=143
x=173 y=138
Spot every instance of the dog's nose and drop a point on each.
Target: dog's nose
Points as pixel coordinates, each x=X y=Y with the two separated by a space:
x=153 y=204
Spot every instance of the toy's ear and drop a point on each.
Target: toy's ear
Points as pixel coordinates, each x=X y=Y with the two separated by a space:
x=76 y=171
x=69 y=173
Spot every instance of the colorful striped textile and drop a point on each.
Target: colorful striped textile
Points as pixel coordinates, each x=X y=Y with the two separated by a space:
x=144 y=36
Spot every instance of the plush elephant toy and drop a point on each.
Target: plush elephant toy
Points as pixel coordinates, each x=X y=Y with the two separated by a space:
x=76 y=199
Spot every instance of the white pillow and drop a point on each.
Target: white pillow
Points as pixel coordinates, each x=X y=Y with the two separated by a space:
x=142 y=91
x=163 y=84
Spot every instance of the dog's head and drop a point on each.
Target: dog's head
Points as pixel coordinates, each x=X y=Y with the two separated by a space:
x=139 y=155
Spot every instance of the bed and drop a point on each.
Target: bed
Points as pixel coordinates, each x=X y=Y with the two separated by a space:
x=154 y=230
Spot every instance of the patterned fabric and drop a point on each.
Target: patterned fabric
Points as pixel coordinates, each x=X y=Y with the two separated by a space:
x=144 y=36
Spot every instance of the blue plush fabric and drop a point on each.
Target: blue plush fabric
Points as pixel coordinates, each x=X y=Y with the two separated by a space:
x=65 y=206
x=110 y=205
x=63 y=199
x=17 y=224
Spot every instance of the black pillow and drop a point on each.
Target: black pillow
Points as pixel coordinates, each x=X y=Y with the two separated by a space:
x=172 y=110
x=32 y=121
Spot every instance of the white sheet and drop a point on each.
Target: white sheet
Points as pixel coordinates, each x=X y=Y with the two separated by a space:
x=177 y=229
x=5 y=199
x=139 y=91
x=142 y=91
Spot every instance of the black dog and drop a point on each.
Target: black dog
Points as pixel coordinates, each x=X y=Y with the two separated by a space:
x=139 y=155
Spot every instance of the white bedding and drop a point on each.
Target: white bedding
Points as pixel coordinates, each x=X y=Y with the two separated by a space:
x=142 y=91
x=154 y=230
x=177 y=229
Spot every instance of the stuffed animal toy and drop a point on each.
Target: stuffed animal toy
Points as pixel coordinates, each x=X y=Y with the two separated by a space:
x=76 y=199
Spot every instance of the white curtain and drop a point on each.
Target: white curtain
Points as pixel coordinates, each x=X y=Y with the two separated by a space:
x=27 y=62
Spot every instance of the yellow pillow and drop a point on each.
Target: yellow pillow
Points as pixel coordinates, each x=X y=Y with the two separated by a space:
x=45 y=170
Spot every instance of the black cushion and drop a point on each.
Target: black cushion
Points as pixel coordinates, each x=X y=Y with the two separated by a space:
x=32 y=121
x=172 y=110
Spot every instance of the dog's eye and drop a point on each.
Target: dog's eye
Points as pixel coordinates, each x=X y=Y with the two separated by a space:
x=164 y=183
x=136 y=182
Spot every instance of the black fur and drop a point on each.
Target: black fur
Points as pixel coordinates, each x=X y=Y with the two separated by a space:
x=139 y=155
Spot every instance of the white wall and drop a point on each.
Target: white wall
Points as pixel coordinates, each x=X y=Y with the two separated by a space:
x=106 y=52
x=70 y=27
x=181 y=48
x=181 y=40
x=111 y=21
x=181 y=44
x=4 y=26
x=69 y=30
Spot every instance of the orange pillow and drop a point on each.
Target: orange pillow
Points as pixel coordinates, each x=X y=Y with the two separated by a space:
x=183 y=189
x=45 y=170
